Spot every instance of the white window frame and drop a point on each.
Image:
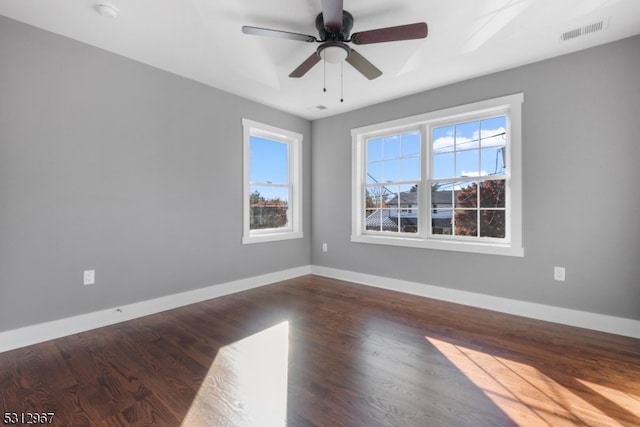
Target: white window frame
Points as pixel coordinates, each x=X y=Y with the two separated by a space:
x=511 y=245
x=293 y=140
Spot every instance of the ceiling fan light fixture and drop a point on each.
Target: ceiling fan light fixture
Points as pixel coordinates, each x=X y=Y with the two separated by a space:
x=334 y=53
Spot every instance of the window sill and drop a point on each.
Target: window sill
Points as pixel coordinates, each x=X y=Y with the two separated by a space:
x=271 y=237
x=445 y=245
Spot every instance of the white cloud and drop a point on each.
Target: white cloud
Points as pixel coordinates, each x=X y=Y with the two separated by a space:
x=490 y=138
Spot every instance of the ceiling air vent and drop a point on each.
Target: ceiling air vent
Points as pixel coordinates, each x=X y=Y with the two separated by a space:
x=584 y=30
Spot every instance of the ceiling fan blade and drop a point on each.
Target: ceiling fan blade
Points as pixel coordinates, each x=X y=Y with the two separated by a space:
x=332 y=14
x=419 y=30
x=305 y=66
x=361 y=64
x=255 y=31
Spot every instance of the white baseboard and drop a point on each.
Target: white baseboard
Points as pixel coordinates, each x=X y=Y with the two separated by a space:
x=566 y=316
x=34 y=334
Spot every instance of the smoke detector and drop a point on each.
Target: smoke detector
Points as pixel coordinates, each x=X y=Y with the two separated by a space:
x=108 y=10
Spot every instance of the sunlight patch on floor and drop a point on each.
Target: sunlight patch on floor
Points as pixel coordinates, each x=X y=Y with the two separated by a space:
x=522 y=392
x=247 y=383
x=628 y=401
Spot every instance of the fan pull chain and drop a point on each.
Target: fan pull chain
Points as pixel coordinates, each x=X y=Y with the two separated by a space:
x=324 y=63
x=341 y=81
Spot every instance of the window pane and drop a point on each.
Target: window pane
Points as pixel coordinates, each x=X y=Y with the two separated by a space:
x=467 y=163
x=441 y=208
x=492 y=223
x=372 y=219
x=441 y=196
x=493 y=145
x=442 y=166
x=391 y=171
x=467 y=136
x=493 y=126
x=411 y=144
x=441 y=220
x=375 y=197
x=443 y=147
x=411 y=168
x=268 y=207
x=492 y=194
x=466 y=194
x=374 y=149
x=391 y=147
x=492 y=161
x=379 y=220
x=466 y=222
x=443 y=141
x=268 y=161
x=374 y=172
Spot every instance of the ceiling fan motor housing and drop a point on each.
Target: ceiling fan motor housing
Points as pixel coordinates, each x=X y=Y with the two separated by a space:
x=342 y=34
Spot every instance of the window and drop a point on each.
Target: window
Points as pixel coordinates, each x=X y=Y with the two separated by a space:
x=393 y=176
x=448 y=180
x=272 y=183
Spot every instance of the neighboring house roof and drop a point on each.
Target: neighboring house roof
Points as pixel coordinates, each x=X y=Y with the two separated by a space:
x=441 y=198
x=406 y=198
x=380 y=218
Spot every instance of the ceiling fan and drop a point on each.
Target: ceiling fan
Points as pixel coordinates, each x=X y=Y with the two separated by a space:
x=334 y=26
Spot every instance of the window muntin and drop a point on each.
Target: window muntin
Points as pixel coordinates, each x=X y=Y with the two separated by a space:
x=467 y=185
x=272 y=183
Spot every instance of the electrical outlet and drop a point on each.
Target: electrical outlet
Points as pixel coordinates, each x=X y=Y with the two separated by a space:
x=89 y=277
x=324 y=247
x=559 y=274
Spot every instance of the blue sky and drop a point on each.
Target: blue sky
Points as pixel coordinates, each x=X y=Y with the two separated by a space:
x=268 y=162
x=464 y=150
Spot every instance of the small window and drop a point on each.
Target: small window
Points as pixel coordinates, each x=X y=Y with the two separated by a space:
x=272 y=183
x=449 y=179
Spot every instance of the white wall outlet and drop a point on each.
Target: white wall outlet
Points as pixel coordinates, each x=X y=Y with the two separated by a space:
x=324 y=247
x=89 y=277
x=559 y=274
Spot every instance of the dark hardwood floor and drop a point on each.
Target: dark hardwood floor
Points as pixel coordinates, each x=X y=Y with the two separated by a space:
x=319 y=352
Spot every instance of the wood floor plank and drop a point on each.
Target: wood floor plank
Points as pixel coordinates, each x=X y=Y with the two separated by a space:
x=314 y=351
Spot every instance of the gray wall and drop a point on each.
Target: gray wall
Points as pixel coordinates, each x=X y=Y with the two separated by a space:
x=581 y=186
x=109 y=164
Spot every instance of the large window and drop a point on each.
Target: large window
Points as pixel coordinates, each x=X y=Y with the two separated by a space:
x=449 y=179
x=272 y=183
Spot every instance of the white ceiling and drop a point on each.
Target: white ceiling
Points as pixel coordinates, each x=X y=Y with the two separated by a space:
x=202 y=40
